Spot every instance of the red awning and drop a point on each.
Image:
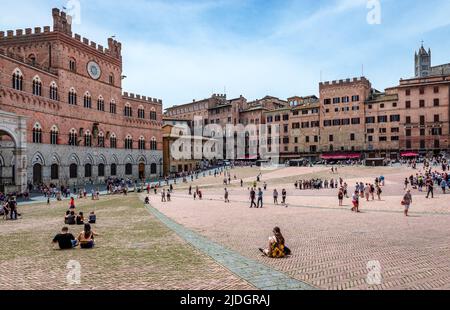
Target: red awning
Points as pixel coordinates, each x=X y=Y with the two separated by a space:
x=409 y=154
x=341 y=156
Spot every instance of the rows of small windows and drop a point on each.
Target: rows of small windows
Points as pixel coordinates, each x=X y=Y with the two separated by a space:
x=345 y=99
x=342 y=122
x=37 y=90
x=36 y=85
x=101 y=170
x=73 y=68
x=88 y=139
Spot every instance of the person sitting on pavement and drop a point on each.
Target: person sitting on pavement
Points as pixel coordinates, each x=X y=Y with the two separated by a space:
x=277 y=247
x=80 y=219
x=92 y=218
x=86 y=237
x=65 y=240
x=66 y=217
x=71 y=218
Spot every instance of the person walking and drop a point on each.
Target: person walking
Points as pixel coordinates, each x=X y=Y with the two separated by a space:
x=430 y=187
x=260 y=198
x=341 y=197
x=407 y=201
x=283 y=196
x=443 y=186
x=252 y=198
x=163 y=195
x=227 y=196
x=275 y=197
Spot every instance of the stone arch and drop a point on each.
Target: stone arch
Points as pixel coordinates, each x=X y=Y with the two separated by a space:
x=74 y=159
x=55 y=159
x=38 y=158
x=128 y=160
x=102 y=159
x=142 y=160
x=114 y=160
x=89 y=159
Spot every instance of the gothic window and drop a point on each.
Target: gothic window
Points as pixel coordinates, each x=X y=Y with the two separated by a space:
x=87 y=170
x=153 y=144
x=113 y=169
x=17 y=80
x=53 y=91
x=128 y=169
x=72 y=65
x=113 y=107
x=73 y=137
x=54 y=172
x=54 y=135
x=101 y=170
x=113 y=141
x=129 y=143
x=101 y=104
x=87 y=101
x=72 y=96
x=37 y=133
x=37 y=86
x=141 y=112
x=101 y=140
x=88 y=139
x=128 y=111
x=73 y=171
x=141 y=143
x=153 y=115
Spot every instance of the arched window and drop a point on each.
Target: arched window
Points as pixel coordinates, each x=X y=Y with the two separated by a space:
x=153 y=169
x=141 y=143
x=101 y=140
x=73 y=171
x=113 y=141
x=113 y=169
x=54 y=135
x=128 y=111
x=17 y=80
x=101 y=104
x=128 y=169
x=37 y=86
x=72 y=96
x=112 y=107
x=72 y=65
x=129 y=143
x=153 y=144
x=101 y=170
x=87 y=170
x=54 y=172
x=53 y=91
x=37 y=133
x=32 y=59
x=88 y=139
x=111 y=79
x=141 y=112
x=153 y=114
x=73 y=137
x=87 y=100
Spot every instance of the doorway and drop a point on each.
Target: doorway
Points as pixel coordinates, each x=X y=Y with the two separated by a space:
x=37 y=174
x=142 y=171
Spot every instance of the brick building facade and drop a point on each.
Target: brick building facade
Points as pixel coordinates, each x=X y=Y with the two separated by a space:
x=80 y=125
x=351 y=119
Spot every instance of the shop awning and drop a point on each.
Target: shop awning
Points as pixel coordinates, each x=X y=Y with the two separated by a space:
x=341 y=156
x=409 y=154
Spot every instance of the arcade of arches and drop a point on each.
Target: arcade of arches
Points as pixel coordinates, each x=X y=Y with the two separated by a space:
x=13 y=158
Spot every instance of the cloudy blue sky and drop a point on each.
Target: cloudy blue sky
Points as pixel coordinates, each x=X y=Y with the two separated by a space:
x=178 y=50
